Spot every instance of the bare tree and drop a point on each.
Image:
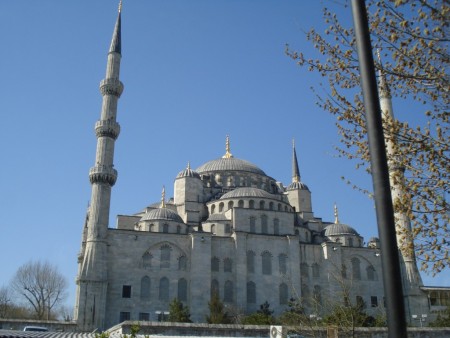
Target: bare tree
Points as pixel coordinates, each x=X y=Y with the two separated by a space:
x=4 y=302
x=413 y=37
x=41 y=285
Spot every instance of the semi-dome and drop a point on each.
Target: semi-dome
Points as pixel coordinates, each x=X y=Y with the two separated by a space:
x=247 y=192
x=162 y=214
x=338 y=230
x=229 y=164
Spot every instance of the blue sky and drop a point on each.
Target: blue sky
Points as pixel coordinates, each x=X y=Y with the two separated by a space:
x=194 y=72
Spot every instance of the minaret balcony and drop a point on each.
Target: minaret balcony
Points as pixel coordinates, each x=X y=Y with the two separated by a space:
x=111 y=87
x=103 y=174
x=107 y=128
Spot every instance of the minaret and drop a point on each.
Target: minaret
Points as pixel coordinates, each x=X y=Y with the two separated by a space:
x=410 y=273
x=92 y=278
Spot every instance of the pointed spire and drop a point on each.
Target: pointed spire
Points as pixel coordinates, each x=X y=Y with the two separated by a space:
x=336 y=216
x=116 y=42
x=227 y=149
x=163 y=198
x=189 y=166
x=383 y=86
x=295 y=170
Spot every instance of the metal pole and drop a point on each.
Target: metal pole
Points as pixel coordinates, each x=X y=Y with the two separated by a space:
x=380 y=177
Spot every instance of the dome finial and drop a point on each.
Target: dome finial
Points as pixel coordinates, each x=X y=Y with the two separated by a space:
x=163 y=197
x=295 y=170
x=120 y=6
x=227 y=149
x=189 y=166
x=336 y=216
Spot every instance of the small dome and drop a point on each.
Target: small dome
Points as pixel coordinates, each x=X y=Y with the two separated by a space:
x=162 y=214
x=339 y=229
x=247 y=192
x=217 y=217
x=229 y=164
x=297 y=186
x=188 y=172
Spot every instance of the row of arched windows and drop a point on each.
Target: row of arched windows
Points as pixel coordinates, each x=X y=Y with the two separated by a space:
x=166 y=228
x=283 y=293
x=266 y=263
x=371 y=273
x=262 y=205
x=164 y=289
x=227 y=264
x=264 y=225
x=164 y=259
x=228 y=290
x=305 y=271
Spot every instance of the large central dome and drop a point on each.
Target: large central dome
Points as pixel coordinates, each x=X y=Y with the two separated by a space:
x=229 y=164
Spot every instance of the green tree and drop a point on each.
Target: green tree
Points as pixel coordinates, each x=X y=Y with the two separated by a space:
x=178 y=312
x=413 y=37
x=263 y=316
x=217 y=313
x=442 y=320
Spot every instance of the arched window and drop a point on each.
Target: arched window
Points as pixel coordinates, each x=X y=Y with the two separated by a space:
x=251 y=293
x=276 y=226
x=305 y=294
x=213 y=229
x=227 y=264
x=315 y=270
x=164 y=289
x=250 y=262
x=356 y=268
x=252 y=224
x=147 y=260
x=145 y=288
x=182 y=263
x=304 y=270
x=271 y=206
x=228 y=292
x=165 y=256
x=215 y=264
x=344 y=271
x=266 y=263
x=213 y=208
x=251 y=204
x=165 y=228
x=241 y=204
x=264 y=229
x=317 y=295
x=182 y=290
x=178 y=229
x=221 y=207
x=215 y=288
x=371 y=273
x=261 y=204
x=230 y=205
x=282 y=263
x=283 y=294
x=227 y=228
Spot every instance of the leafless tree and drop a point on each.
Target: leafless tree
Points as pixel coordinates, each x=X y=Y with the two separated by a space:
x=41 y=285
x=4 y=302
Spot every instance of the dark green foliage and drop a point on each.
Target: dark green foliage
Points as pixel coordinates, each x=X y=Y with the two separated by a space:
x=217 y=313
x=258 y=318
x=178 y=312
x=265 y=309
x=442 y=321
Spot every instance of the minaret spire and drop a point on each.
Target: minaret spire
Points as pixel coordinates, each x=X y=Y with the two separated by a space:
x=295 y=171
x=227 y=149
x=92 y=279
x=336 y=215
x=163 y=198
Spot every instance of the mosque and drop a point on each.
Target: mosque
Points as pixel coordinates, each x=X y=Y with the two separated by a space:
x=230 y=229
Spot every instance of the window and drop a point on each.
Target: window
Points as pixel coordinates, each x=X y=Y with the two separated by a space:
x=182 y=290
x=227 y=228
x=221 y=207
x=374 y=301
x=126 y=291
x=304 y=270
x=360 y=302
x=214 y=288
x=264 y=224
x=276 y=226
x=215 y=263
x=213 y=229
x=282 y=263
x=344 y=271
x=315 y=270
x=305 y=294
x=251 y=293
x=230 y=205
x=166 y=228
x=350 y=241
x=371 y=274
x=356 y=269
x=251 y=204
x=164 y=289
x=145 y=288
x=124 y=316
x=250 y=262
x=261 y=204
x=228 y=292
x=227 y=264
x=165 y=256
x=178 y=229
x=266 y=263
x=241 y=204
x=147 y=260
x=283 y=293
x=317 y=295
x=271 y=206
x=182 y=263
x=252 y=224
x=144 y=316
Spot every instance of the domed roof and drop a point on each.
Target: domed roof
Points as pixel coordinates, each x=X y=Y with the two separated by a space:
x=217 y=217
x=247 y=192
x=337 y=229
x=229 y=164
x=188 y=172
x=162 y=214
x=297 y=185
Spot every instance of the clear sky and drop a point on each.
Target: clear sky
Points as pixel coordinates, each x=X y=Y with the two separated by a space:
x=194 y=72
